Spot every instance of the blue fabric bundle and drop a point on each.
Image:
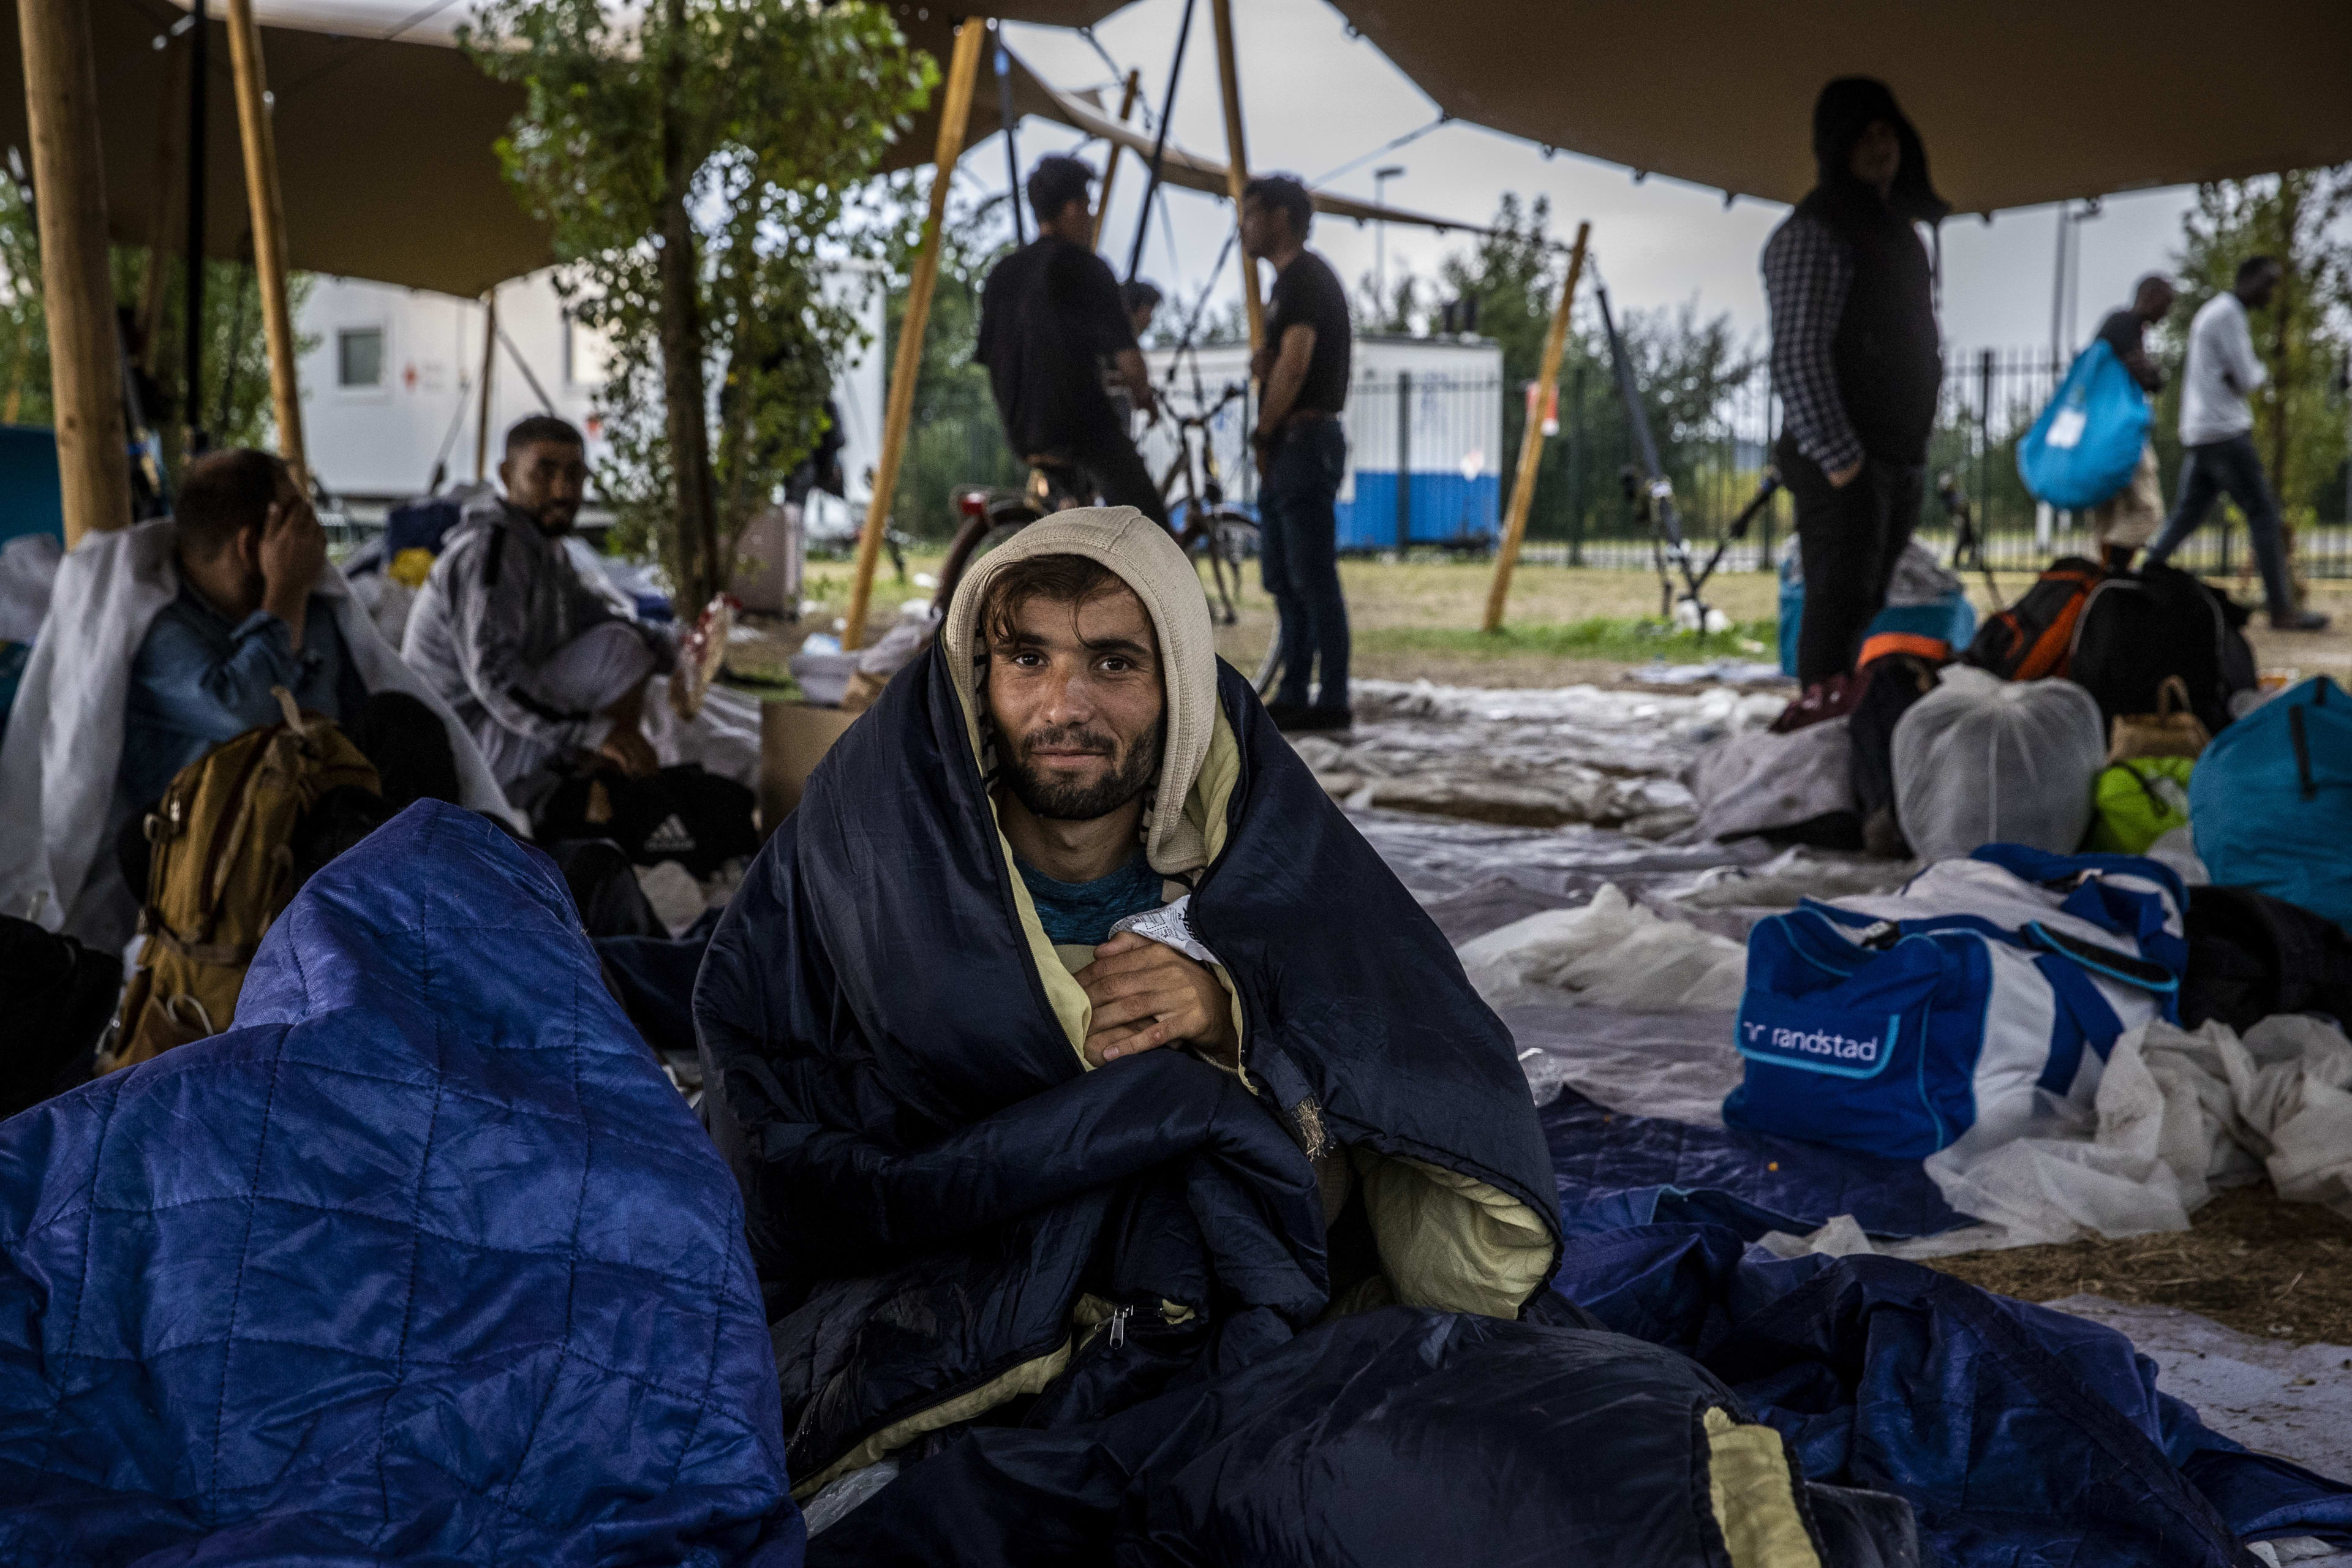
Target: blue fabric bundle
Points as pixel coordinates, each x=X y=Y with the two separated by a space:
x=2020 y=1435
x=2088 y=440
x=424 y=1260
x=2271 y=801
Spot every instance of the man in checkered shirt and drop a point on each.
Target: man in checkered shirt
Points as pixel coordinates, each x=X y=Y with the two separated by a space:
x=1857 y=362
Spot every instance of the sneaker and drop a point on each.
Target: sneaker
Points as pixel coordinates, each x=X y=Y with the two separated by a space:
x=1301 y=719
x=2300 y=621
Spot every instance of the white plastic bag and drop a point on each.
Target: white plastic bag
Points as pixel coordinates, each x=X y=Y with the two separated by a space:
x=1980 y=760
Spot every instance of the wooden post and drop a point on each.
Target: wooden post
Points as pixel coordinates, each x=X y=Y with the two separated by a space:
x=907 y=363
x=268 y=231
x=1110 y=164
x=1221 y=12
x=153 y=270
x=1523 y=488
x=69 y=195
x=490 y=367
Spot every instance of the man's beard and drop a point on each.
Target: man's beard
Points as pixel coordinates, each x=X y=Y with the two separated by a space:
x=1071 y=800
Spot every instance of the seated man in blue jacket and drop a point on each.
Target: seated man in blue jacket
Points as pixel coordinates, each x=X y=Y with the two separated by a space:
x=248 y=619
x=249 y=551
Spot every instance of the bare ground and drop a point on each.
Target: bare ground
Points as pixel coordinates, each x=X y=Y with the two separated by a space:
x=2249 y=1261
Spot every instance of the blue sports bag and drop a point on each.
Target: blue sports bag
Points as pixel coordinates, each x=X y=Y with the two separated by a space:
x=1893 y=1024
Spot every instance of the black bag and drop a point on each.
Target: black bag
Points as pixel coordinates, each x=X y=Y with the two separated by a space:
x=681 y=814
x=2034 y=636
x=2138 y=629
x=2251 y=956
x=60 y=996
x=1896 y=680
x=605 y=890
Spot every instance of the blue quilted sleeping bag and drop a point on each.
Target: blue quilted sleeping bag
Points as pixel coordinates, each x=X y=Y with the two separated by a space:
x=422 y=1261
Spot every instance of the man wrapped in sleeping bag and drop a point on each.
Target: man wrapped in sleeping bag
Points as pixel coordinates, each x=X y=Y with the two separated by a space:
x=1221 y=1237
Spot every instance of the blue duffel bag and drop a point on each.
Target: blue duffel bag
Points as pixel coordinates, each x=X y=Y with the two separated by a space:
x=1896 y=1023
x=2088 y=440
x=2271 y=801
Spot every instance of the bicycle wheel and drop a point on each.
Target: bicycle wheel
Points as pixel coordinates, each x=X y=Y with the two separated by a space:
x=1232 y=540
x=1269 y=669
x=972 y=541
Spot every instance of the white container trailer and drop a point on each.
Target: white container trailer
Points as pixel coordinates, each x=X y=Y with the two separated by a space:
x=1428 y=408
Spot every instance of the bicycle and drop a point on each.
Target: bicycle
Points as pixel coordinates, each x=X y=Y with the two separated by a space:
x=1226 y=535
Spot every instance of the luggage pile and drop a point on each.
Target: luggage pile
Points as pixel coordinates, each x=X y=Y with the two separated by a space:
x=2071 y=719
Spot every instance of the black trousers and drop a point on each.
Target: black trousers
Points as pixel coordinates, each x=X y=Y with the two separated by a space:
x=1119 y=472
x=1849 y=539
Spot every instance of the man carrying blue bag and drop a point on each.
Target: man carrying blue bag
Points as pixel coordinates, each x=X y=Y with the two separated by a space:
x=2124 y=522
x=2089 y=450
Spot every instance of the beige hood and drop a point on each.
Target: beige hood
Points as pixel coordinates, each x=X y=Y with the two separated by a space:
x=1151 y=562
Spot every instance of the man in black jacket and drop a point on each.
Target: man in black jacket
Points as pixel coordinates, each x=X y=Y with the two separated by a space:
x=1053 y=325
x=1857 y=362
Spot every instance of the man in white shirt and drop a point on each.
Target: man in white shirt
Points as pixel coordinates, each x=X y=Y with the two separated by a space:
x=2216 y=426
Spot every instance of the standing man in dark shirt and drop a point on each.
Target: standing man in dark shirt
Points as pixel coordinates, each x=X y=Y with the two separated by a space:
x=1302 y=451
x=1052 y=321
x=2129 y=519
x=1857 y=362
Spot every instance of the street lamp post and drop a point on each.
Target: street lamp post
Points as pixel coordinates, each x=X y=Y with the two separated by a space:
x=1381 y=178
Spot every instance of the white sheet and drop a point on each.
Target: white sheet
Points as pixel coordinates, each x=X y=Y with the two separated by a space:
x=2180 y=1113
x=64 y=745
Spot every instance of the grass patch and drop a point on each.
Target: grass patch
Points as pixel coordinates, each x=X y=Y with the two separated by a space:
x=1598 y=637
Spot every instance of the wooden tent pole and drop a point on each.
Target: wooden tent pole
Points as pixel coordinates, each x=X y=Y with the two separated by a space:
x=489 y=368
x=70 y=196
x=1110 y=164
x=1221 y=12
x=1523 y=488
x=268 y=213
x=963 y=67
x=168 y=191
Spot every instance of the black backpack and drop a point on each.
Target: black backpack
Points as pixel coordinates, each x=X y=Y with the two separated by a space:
x=682 y=814
x=60 y=997
x=2251 y=956
x=2138 y=628
x=1895 y=681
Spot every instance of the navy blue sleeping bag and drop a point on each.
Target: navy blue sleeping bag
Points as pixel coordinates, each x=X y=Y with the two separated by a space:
x=1087 y=1311
x=422 y=1261
x=2022 y=1437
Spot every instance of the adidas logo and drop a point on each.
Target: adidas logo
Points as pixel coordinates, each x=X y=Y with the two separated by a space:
x=671 y=838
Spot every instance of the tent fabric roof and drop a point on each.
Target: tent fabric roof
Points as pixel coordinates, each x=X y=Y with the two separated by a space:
x=2018 y=102
x=1190 y=170
x=384 y=146
x=383 y=149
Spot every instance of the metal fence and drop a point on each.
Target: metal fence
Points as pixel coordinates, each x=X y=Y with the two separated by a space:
x=1990 y=398
x=1582 y=513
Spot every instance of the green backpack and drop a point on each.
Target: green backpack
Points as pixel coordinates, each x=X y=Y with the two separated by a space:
x=2138 y=802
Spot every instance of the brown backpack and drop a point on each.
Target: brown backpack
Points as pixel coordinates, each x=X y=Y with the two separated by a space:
x=223 y=868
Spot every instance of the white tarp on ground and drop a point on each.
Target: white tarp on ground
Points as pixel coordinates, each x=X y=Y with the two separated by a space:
x=1539 y=758
x=1611 y=953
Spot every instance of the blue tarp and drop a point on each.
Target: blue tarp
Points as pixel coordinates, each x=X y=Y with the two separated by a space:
x=2021 y=1436
x=424 y=1260
x=1615 y=1170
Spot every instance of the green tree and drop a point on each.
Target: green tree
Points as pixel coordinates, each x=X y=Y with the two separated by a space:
x=2302 y=335
x=705 y=165
x=233 y=405
x=955 y=438
x=1686 y=368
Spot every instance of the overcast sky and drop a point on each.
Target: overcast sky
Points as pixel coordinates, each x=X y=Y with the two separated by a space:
x=1314 y=98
